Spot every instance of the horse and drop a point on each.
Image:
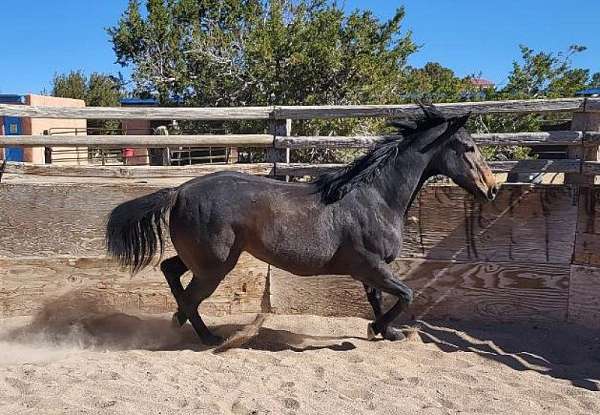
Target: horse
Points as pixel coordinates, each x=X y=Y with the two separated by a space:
x=345 y=222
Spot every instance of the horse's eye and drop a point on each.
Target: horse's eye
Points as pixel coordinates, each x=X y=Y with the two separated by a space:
x=469 y=148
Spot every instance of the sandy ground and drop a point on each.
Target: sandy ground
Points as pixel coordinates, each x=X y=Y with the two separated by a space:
x=86 y=359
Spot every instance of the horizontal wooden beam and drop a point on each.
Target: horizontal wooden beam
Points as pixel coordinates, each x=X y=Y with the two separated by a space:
x=146 y=141
x=521 y=166
x=496 y=291
x=152 y=113
x=135 y=172
x=29 y=283
x=288 y=169
x=591 y=167
x=483 y=107
x=563 y=138
x=298 y=112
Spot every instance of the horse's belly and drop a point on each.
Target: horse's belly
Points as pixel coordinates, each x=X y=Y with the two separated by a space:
x=294 y=258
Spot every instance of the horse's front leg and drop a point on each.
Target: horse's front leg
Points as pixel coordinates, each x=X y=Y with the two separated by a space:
x=377 y=277
x=375 y=299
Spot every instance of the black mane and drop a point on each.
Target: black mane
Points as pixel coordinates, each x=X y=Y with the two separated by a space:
x=335 y=185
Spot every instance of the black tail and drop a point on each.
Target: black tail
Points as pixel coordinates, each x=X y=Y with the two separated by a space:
x=134 y=233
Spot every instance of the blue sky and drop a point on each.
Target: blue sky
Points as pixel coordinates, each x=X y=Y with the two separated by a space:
x=42 y=37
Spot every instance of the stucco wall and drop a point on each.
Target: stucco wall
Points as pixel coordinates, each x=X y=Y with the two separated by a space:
x=37 y=126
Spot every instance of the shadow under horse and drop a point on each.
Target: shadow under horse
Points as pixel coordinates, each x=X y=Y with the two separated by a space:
x=347 y=222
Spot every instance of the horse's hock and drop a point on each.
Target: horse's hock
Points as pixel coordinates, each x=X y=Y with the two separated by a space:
x=532 y=254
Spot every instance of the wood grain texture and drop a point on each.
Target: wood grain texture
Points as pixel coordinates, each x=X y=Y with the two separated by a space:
x=147 y=141
x=450 y=109
x=522 y=166
x=561 y=138
x=51 y=220
x=524 y=224
x=584 y=296
x=298 y=112
x=129 y=113
x=135 y=172
x=28 y=283
x=471 y=291
x=587 y=242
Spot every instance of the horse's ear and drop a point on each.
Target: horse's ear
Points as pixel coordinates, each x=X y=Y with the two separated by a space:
x=437 y=136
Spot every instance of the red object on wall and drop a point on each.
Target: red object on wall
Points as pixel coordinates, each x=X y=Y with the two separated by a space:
x=128 y=152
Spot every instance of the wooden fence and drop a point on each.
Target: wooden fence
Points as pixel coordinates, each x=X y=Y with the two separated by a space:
x=531 y=254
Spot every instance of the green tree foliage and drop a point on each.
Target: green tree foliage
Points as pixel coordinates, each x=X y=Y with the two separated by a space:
x=536 y=74
x=258 y=52
x=97 y=90
x=251 y=52
x=435 y=83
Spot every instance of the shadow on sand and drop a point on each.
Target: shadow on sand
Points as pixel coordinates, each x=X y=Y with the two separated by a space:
x=559 y=350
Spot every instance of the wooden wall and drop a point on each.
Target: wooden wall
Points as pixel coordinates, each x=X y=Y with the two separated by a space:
x=529 y=255
x=52 y=242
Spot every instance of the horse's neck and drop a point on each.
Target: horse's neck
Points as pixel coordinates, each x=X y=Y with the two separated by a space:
x=402 y=182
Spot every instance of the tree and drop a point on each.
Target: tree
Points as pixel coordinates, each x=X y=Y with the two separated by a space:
x=97 y=90
x=259 y=52
x=435 y=83
x=243 y=52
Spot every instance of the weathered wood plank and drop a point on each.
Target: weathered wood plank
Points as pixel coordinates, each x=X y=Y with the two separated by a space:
x=584 y=296
x=129 y=113
x=592 y=105
x=443 y=289
x=584 y=121
x=587 y=242
x=135 y=172
x=514 y=139
x=298 y=112
x=482 y=107
x=147 y=141
x=27 y=283
x=521 y=166
x=523 y=224
x=282 y=142
x=51 y=220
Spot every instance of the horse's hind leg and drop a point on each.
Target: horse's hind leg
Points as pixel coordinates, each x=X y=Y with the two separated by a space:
x=173 y=269
x=203 y=285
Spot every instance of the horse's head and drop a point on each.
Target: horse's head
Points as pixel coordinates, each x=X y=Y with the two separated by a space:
x=456 y=155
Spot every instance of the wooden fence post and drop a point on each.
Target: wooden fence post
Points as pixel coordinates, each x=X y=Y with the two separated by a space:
x=584 y=280
x=583 y=121
x=279 y=128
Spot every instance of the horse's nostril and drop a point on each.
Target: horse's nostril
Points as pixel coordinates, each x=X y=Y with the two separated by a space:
x=493 y=191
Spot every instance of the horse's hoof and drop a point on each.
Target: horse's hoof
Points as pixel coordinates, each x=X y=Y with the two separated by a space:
x=393 y=334
x=371 y=335
x=178 y=319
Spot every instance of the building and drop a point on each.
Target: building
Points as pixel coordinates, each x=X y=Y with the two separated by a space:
x=43 y=126
x=590 y=92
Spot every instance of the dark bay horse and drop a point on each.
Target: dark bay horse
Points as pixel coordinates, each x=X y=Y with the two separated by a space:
x=348 y=222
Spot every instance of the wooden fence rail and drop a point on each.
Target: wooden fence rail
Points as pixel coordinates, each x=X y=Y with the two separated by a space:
x=559 y=138
x=301 y=112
